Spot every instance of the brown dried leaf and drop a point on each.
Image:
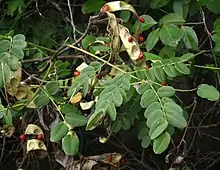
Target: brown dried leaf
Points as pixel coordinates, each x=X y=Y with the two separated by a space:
x=119 y=6
x=35 y=144
x=77 y=98
x=33 y=130
x=132 y=47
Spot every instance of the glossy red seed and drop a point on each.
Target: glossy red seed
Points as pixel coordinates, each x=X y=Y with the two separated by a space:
x=141 y=55
x=22 y=137
x=106 y=8
x=141 y=19
x=76 y=73
x=141 y=38
x=123 y=162
x=108 y=45
x=130 y=39
x=115 y=166
x=164 y=83
x=40 y=137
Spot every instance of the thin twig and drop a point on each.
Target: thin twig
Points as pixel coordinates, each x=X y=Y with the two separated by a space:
x=91 y=19
x=71 y=19
x=49 y=57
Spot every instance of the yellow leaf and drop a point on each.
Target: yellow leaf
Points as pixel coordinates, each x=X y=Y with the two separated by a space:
x=77 y=98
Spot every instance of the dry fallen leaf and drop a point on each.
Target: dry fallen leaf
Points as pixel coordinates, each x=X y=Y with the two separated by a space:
x=77 y=98
x=33 y=130
x=35 y=144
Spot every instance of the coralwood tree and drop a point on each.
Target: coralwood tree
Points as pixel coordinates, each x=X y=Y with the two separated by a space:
x=119 y=74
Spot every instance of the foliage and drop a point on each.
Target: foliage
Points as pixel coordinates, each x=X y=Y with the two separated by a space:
x=119 y=92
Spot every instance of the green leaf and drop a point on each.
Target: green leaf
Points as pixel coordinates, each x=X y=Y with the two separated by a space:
x=161 y=143
x=150 y=74
x=125 y=123
x=170 y=71
x=13 y=63
x=143 y=87
x=166 y=91
x=4 y=45
x=147 y=98
x=42 y=99
x=190 y=38
x=70 y=144
x=208 y=92
x=173 y=107
x=101 y=48
x=153 y=107
x=122 y=81
x=167 y=100
x=187 y=57
x=20 y=44
x=217 y=25
x=182 y=68
x=159 y=73
x=7 y=74
x=125 y=15
x=157 y=128
x=14 y=5
x=75 y=119
x=2 y=110
x=154 y=116
x=152 y=39
x=19 y=37
x=17 y=52
x=181 y=8
x=170 y=35
x=167 y=52
x=91 y=6
x=111 y=94
x=158 y=3
x=52 y=87
x=116 y=126
x=176 y=119
x=69 y=109
x=88 y=40
x=172 y=18
x=142 y=133
x=94 y=120
x=145 y=142
x=151 y=56
x=8 y=118
x=213 y=6
x=149 y=22
x=216 y=38
x=58 y=132
x=203 y=2
x=112 y=111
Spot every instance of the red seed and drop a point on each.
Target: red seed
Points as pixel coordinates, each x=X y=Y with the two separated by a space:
x=110 y=158
x=106 y=8
x=76 y=73
x=115 y=166
x=141 y=19
x=164 y=83
x=141 y=38
x=141 y=55
x=22 y=137
x=130 y=39
x=108 y=45
x=123 y=162
x=40 y=137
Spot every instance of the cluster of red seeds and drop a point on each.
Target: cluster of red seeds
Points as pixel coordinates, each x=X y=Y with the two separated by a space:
x=123 y=162
x=22 y=137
